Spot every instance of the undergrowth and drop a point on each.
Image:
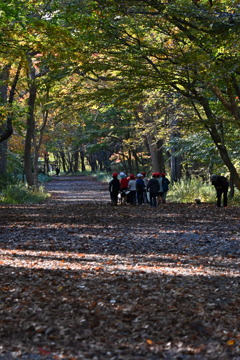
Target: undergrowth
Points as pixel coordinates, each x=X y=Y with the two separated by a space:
x=186 y=191
x=103 y=176
x=20 y=194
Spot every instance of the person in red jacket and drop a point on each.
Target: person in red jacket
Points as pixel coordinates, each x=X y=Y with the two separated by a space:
x=123 y=187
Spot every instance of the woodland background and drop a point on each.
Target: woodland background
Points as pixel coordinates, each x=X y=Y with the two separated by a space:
x=102 y=86
x=119 y=85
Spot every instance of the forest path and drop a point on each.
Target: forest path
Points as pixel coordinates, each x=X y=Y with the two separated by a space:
x=84 y=280
x=75 y=189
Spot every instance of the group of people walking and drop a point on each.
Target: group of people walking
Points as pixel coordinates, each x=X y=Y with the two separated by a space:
x=138 y=190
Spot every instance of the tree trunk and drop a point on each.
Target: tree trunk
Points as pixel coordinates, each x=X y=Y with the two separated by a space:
x=175 y=160
x=136 y=161
x=70 y=162
x=176 y=168
x=29 y=135
x=35 y=167
x=63 y=161
x=100 y=163
x=3 y=158
x=160 y=155
x=218 y=141
x=4 y=77
x=93 y=163
x=156 y=153
x=129 y=161
x=8 y=129
x=30 y=125
x=76 y=161
x=231 y=192
x=38 y=141
x=227 y=161
x=82 y=158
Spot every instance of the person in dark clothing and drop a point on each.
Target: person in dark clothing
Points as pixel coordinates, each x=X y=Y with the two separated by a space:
x=57 y=171
x=114 y=188
x=140 y=188
x=221 y=185
x=165 y=185
x=153 y=187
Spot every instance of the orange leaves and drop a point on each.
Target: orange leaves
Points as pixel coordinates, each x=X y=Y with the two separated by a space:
x=110 y=262
x=98 y=268
x=81 y=255
x=149 y=342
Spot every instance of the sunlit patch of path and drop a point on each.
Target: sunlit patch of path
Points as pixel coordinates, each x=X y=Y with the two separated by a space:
x=91 y=264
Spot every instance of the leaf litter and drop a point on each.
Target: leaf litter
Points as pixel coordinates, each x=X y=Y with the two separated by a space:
x=84 y=280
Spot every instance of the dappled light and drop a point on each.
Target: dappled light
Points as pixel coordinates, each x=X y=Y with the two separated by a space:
x=168 y=264
x=119 y=180
x=82 y=278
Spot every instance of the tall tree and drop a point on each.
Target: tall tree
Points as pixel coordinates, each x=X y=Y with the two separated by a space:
x=177 y=45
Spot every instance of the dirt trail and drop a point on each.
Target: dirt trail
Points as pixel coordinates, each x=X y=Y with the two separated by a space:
x=84 y=280
x=76 y=189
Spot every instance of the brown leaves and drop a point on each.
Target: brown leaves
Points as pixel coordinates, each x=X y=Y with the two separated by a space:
x=84 y=280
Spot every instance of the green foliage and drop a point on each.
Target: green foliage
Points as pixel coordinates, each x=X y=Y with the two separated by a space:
x=102 y=176
x=236 y=199
x=186 y=191
x=14 y=163
x=7 y=179
x=43 y=178
x=20 y=194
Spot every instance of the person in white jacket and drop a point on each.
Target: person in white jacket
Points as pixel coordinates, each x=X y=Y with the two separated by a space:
x=145 y=180
x=133 y=189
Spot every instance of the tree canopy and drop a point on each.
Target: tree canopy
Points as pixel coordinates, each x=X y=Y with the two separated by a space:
x=171 y=68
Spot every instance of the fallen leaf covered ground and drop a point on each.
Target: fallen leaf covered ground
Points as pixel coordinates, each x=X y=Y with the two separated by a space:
x=81 y=279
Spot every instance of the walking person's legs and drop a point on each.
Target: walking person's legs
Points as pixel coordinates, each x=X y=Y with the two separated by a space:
x=219 y=197
x=140 y=198
x=114 y=197
x=225 y=198
x=155 y=200
x=133 y=197
x=151 y=199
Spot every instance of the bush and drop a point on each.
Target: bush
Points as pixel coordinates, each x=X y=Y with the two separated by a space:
x=186 y=191
x=236 y=199
x=103 y=176
x=19 y=194
x=7 y=179
x=43 y=178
